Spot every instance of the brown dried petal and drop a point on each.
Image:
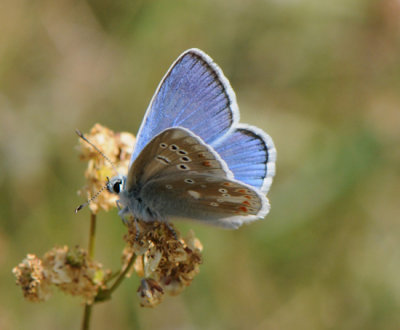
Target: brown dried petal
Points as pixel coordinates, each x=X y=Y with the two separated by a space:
x=193 y=242
x=151 y=260
x=150 y=293
x=138 y=266
x=172 y=286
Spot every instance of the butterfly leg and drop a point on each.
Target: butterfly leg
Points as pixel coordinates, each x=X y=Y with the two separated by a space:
x=137 y=229
x=172 y=230
x=123 y=212
x=118 y=206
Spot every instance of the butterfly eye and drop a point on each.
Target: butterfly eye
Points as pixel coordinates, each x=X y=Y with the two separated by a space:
x=117 y=187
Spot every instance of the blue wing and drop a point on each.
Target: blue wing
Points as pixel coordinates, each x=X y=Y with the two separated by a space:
x=193 y=94
x=250 y=154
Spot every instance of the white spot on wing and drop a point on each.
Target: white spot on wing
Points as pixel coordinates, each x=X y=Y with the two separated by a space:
x=194 y=194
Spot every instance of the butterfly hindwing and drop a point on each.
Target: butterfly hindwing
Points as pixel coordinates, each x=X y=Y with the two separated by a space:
x=250 y=154
x=218 y=201
x=193 y=91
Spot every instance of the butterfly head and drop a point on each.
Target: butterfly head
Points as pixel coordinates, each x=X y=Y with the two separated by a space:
x=116 y=184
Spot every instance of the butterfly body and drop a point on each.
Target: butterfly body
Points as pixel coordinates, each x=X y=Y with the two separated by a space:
x=193 y=160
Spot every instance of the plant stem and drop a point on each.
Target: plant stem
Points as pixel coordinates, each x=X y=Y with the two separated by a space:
x=86 y=317
x=106 y=294
x=123 y=273
x=102 y=295
x=92 y=235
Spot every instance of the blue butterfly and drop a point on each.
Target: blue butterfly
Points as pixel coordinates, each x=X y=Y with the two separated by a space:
x=193 y=159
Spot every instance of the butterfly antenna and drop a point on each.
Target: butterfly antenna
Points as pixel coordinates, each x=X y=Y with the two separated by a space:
x=80 y=207
x=83 y=137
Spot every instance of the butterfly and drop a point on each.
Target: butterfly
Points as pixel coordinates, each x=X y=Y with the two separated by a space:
x=193 y=159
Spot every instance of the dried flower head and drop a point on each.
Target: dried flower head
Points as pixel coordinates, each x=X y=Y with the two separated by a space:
x=32 y=278
x=118 y=148
x=74 y=272
x=164 y=257
x=69 y=269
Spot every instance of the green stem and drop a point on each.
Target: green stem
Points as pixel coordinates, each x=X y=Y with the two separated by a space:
x=123 y=274
x=86 y=317
x=92 y=235
x=106 y=294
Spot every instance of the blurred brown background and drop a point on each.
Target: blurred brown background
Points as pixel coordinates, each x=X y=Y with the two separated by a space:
x=321 y=77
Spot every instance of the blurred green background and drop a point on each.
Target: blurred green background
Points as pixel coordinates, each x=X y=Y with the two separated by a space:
x=321 y=77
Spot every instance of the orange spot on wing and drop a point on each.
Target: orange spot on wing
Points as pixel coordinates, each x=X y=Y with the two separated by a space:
x=246 y=203
x=243 y=208
x=248 y=197
x=207 y=163
x=227 y=184
x=242 y=191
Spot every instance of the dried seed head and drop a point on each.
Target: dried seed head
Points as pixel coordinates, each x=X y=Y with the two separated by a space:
x=171 y=261
x=118 y=148
x=32 y=278
x=69 y=269
x=74 y=272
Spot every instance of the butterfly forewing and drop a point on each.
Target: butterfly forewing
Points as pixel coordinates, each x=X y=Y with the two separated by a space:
x=193 y=94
